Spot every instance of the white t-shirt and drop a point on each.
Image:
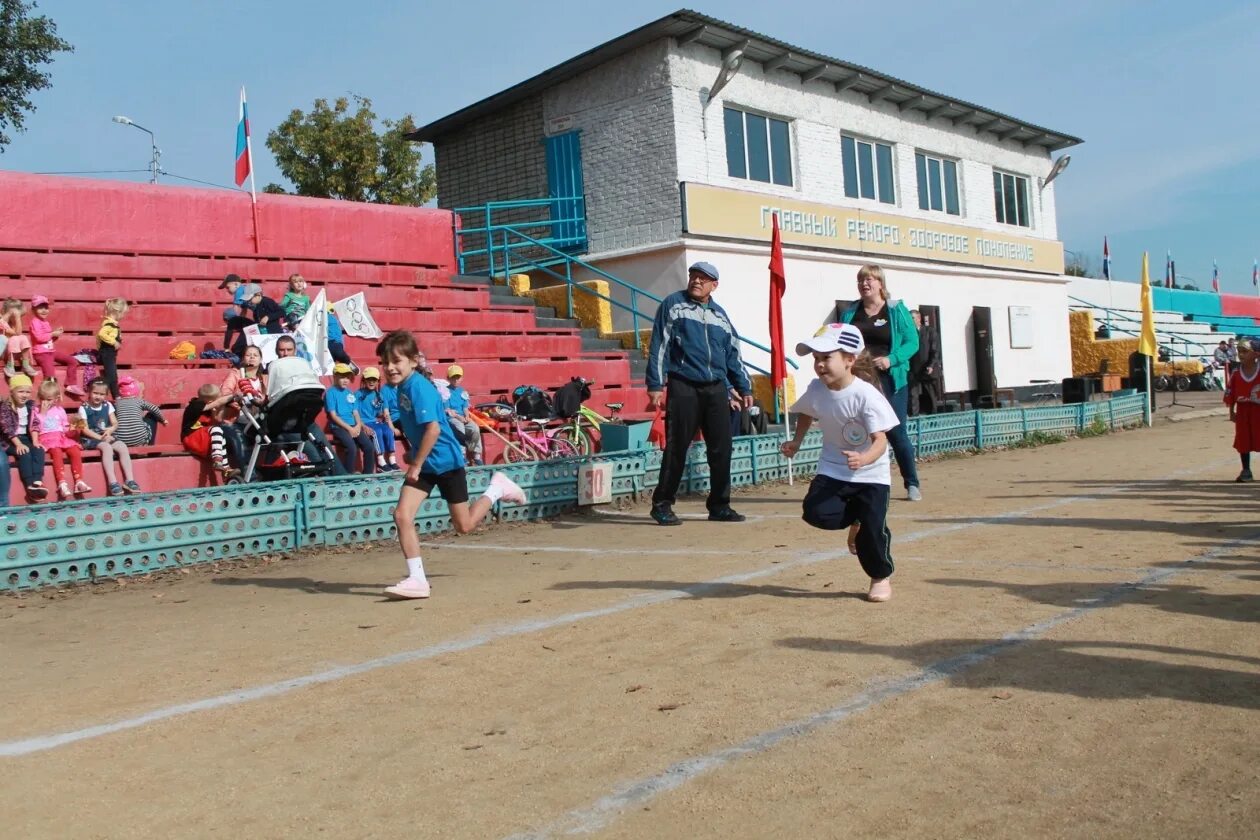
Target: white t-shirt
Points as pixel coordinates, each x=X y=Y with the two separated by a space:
x=847 y=419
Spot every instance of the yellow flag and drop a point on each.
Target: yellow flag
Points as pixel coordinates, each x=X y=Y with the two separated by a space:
x=1147 y=344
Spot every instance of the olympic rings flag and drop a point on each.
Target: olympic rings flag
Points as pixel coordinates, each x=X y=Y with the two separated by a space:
x=356 y=319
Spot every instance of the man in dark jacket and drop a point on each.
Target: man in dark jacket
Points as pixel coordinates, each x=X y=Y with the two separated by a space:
x=694 y=357
x=925 y=370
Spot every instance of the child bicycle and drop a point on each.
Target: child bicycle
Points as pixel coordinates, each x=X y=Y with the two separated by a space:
x=582 y=430
x=522 y=443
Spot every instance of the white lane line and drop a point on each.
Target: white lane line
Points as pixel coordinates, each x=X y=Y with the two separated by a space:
x=635 y=794
x=41 y=743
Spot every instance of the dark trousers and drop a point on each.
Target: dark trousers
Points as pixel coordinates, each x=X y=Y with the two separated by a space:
x=235 y=324
x=833 y=505
x=898 y=437
x=30 y=465
x=338 y=351
x=923 y=397
x=109 y=365
x=350 y=448
x=6 y=480
x=690 y=406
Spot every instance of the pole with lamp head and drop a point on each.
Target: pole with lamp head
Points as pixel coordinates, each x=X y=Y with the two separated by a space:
x=155 y=153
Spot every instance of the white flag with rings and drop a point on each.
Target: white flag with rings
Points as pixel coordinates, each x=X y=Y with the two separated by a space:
x=355 y=317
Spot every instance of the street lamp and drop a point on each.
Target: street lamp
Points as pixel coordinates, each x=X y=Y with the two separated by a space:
x=154 y=168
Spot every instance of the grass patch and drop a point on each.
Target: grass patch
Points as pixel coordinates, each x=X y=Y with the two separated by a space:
x=1038 y=438
x=1094 y=429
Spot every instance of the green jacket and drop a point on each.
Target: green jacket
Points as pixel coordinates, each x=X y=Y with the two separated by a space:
x=905 y=339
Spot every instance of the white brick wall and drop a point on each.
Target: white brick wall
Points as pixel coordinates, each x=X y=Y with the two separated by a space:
x=818 y=115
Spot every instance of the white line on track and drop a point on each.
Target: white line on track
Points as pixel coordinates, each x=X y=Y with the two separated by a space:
x=636 y=794
x=41 y=743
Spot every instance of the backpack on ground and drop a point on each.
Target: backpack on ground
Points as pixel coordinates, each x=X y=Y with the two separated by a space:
x=531 y=402
x=570 y=396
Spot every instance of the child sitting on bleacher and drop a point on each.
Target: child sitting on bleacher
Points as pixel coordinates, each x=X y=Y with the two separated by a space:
x=16 y=440
x=100 y=422
x=346 y=425
x=44 y=349
x=17 y=345
x=295 y=301
x=50 y=430
x=201 y=430
x=379 y=407
x=137 y=418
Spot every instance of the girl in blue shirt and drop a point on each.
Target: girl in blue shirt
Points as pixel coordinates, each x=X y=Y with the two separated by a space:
x=434 y=459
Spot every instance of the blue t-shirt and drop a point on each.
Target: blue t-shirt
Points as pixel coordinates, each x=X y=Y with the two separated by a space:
x=341 y=402
x=373 y=403
x=419 y=405
x=334 y=329
x=238 y=299
x=458 y=401
x=390 y=394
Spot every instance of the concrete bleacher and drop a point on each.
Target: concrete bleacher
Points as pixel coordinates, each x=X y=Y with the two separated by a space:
x=166 y=249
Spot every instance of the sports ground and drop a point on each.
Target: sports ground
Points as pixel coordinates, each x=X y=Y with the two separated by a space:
x=1071 y=651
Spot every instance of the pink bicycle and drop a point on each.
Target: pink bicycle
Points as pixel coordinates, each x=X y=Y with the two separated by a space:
x=526 y=440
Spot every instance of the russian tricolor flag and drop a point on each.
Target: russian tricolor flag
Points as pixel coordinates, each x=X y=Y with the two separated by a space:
x=244 y=153
x=1106 y=260
x=1216 y=278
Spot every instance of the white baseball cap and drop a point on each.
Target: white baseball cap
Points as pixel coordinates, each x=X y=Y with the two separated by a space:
x=833 y=337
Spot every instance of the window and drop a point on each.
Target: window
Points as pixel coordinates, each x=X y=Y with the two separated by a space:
x=938 y=183
x=868 y=169
x=758 y=148
x=1010 y=199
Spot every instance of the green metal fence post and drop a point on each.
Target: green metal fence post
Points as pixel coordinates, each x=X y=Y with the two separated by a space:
x=979 y=429
x=1023 y=421
x=568 y=281
x=1080 y=416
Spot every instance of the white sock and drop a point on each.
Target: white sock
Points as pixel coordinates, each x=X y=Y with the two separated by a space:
x=415 y=568
x=494 y=492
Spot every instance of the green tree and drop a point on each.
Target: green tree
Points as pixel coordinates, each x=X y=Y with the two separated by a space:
x=333 y=152
x=26 y=44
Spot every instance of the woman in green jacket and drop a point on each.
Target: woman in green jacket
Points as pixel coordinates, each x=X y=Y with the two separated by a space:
x=891 y=339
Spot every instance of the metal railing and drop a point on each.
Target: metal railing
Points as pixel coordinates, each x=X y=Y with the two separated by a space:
x=1132 y=327
x=565 y=228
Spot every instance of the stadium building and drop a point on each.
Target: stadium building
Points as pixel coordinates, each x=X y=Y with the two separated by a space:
x=677 y=141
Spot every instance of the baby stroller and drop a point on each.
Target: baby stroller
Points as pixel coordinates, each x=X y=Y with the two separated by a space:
x=279 y=439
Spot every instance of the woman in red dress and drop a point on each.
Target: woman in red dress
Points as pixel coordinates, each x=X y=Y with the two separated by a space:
x=1243 y=398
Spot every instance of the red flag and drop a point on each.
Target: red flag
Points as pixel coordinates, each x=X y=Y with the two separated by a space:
x=778 y=284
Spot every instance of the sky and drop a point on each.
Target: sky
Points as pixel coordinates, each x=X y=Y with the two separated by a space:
x=1163 y=93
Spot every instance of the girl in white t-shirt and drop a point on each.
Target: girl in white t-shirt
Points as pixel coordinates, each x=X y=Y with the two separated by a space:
x=852 y=485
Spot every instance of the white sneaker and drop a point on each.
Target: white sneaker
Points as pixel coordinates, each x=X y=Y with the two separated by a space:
x=881 y=590
x=914 y=494
x=407 y=589
x=512 y=491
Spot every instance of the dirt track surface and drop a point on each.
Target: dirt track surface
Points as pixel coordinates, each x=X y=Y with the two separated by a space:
x=1071 y=651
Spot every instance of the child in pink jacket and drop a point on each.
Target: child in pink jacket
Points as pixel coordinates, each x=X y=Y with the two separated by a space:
x=44 y=350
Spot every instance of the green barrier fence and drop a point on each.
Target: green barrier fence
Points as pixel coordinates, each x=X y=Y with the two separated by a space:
x=105 y=538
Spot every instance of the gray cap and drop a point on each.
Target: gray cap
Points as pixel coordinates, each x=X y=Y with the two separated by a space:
x=252 y=289
x=705 y=268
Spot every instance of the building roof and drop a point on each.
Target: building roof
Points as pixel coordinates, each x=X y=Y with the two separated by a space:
x=687 y=27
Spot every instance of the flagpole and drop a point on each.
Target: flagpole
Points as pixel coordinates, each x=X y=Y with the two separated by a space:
x=253 y=193
x=787 y=431
x=1150 y=415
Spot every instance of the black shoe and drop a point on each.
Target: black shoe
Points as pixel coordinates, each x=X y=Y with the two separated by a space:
x=725 y=515
x=664 y=515
x=1245 y=475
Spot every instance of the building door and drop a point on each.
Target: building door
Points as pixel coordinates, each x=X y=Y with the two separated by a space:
x=982 y=347
x=564 y=182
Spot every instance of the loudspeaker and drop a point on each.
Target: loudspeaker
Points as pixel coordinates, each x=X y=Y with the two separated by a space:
x=1078 y=389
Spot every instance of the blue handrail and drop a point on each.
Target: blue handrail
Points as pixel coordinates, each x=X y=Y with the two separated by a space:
x=566 y=214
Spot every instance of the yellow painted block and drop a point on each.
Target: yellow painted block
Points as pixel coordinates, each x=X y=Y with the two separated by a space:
x=519 y=284
x=765 y=394
x=591 y=311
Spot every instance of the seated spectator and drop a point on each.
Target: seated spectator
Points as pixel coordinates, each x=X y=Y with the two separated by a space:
x=44 y=349
x=295 y=301
x=51 y=432
x=137 y=417
x=244 y=390
x=16 y=414
x=286 y=347
x=345 y=424
x=266 y=312
x=466 y=430
x=201 y=431
x=99 y=423
x=379 y=406
x=17 y=343
x=235 y=317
